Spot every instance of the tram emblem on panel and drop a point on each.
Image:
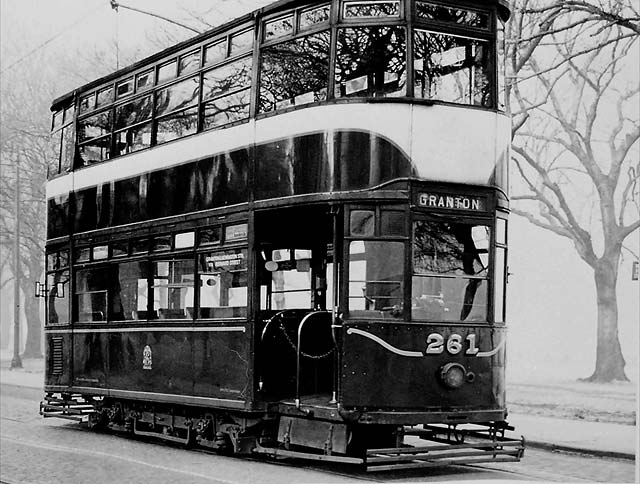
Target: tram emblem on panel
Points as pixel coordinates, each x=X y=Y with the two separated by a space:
x=147 y=358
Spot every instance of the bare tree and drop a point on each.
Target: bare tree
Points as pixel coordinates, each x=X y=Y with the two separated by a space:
x=574 y=98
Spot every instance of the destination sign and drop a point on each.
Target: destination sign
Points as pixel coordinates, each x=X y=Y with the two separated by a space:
x=452 y=202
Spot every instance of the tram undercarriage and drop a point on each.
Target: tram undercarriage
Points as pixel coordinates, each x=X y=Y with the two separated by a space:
x=376 y=447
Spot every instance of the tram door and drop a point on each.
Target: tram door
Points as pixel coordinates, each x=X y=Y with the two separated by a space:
x=295 y=265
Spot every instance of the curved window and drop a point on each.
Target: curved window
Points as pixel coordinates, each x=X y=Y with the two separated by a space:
x=371 y=62
x=295 y=72
x=451 y=68
x=450 y=265
x=459 y=16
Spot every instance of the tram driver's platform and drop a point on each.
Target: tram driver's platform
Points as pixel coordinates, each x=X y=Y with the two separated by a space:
x=596 y=438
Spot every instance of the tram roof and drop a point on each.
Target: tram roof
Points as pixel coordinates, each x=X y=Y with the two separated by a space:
x=504 y=10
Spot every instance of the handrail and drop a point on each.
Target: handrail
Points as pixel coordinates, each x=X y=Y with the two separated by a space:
x=298 y=351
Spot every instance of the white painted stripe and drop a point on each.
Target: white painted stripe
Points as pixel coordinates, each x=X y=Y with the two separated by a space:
x=484 y=354
x=380 y=341
x=167 y=396
x=176 y=329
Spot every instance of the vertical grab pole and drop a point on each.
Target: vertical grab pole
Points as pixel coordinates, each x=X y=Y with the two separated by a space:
x=336 y=295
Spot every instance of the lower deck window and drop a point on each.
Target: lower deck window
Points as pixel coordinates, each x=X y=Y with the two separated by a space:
x=173 y=289
x=223 y=284
x=450 y=265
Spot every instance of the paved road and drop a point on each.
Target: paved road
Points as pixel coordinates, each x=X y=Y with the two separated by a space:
x=37 y=451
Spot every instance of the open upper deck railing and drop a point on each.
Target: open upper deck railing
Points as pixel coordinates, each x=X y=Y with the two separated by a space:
x=289 y=55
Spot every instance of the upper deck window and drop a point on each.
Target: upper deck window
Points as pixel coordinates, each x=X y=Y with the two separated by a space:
x=189 y=62
x=314 y=16
x=242 y=41
x=124 y=88
x=459 y=16
x=371 y=9
x=177 y=96
x=371 y=62
x=278 y=27
x=294 y=72
x=167 y=71
x=216 y=52
x=104 y=97
x=452 y=68
x=144 y=81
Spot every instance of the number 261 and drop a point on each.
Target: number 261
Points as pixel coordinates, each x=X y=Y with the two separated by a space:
x=454 y=344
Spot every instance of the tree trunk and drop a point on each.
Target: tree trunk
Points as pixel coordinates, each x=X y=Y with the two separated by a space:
x=609 y=360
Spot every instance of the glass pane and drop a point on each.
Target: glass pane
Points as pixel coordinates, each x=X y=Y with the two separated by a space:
x=167 y=71
x=173 y=289
x=209 y=235
x=105 y=96
x=91 y=294
x=453 y=69
x=68 y=148
x=450 y=249
x=314 y=16
x=119 y=248
x=101 y=252
x=502 y=66
x=53 y=163
x=57 y=120
x=362 y=223
x=499 y=281
x=58 y=302
x=452 y=15
x=161 y=243
x=278 y=28
x=177 y=125
x=295 y=72
x=223 y=284
x=95 y=151
x=371 y=9
x=227 y=109
x=241 y=41
x=69 y=114
x=52 y=261
x=140 y=246
x=230 y=77
x=233 y=233
x=180 y=95
x=130 y=291
x=133 y=112
x=189 y=62
x=448 y=299
x=124 y=88
x=371 y=62
x=185 y=240
x=392 y=223
x=133 y=139
x=87 y=103
x=94 y=126
x=501 y=231
x=83 y=254
x=215 y=52
x=376 y=274
x=144 y=81
x=64 y=258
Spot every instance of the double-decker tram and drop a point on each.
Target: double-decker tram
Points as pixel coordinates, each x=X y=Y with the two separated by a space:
x=288 y=236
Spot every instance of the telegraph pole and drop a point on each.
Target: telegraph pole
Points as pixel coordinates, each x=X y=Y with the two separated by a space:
x=16 y=362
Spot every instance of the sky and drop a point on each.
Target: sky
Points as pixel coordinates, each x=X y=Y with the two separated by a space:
x=551 y=309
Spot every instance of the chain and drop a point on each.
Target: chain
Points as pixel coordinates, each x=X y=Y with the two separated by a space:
x=307 y=355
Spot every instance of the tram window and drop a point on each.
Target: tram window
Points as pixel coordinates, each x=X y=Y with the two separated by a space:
x=362 y=223
x=501 y=59
x=92 y=287
x=87 y=103
x=140 y=246
x=95 y=151
x=189 y=62
x=227 y=109
x=290 y=279
x=124 y=88
x=161 y=243
x=173 y=288
x=100 y=252
x=234 y=233
x=177 y=125
x=53 y=162
x=392 y=223
x=133 y=139
x=209 y=235
x=215 y=52
x=83 y=254
x=450 y=264
x=177 y=96
x=185 y=240
x=58 y=216
x=278 y=27
x=371 y=62
x=104 y=97
x=144 y=81
x=58 y=302
x=294 y=72
x=130 y=291
x=450 y=15
x=119 y=248
x=68 y=148
x=133 y=112
x=94 y=126
x=376 y=271
x=167 y=71
x=241 y=41
x=223 y=284
x=229 y=77
x=499 y=281
x=371 y=9
x=57 y=120
x=314 y=16
x=451 y=68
